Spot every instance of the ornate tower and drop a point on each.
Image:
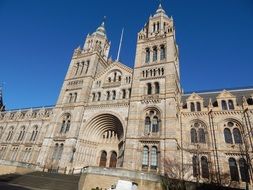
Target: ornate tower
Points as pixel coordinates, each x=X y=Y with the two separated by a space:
x=60 y=142
x=153 y=125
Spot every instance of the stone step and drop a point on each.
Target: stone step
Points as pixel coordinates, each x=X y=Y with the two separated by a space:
x=43 y=180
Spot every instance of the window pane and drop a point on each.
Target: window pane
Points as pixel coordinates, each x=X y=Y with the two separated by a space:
x=228 y=136
x=237 y=136
x=193 y=136
x=204 y=167
x=244 y=170
x=202 y=138
x=224 y=105
x=145 y=156
x=233 y=169
x=154 y=158
x=195 y=166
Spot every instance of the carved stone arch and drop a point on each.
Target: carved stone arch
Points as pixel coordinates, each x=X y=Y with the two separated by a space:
x=153 y=107
x=232 y=119
x=204 y=123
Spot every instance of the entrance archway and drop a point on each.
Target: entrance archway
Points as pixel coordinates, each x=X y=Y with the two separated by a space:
x=113 y=160
x=106 y=130
x=103 y=159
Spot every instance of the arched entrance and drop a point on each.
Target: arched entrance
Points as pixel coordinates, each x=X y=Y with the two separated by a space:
x=106 y=130
x=103 y=159
x=113 y=160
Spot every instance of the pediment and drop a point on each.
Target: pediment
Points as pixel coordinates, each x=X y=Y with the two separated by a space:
x=194 y=97
x=225 y=94
x=115 y=66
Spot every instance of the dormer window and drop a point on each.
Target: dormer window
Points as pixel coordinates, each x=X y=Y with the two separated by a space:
x=227 y=105
x=195 y=106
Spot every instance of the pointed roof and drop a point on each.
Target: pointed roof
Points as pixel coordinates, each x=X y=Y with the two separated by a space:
x=160 y=11
x=101 y=30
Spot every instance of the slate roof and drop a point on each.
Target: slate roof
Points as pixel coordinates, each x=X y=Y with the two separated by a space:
x=206 y=95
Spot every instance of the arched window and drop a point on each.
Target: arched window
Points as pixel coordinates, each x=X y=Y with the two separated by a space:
x=115 y=77
x=158 y=26
x=198 y=106
x=77 y=68
x=82 y=66
x=93 y=97
x=202 y=137
x=60 y=152
x=145 y=158
x=1 y=131
x=154 y=53
x=113 y=94
x=147 y=125
x=74 y=97
x=147 y=58
x=244 y=170
x=34 y=133
x=123 y=94
x=70 y=97
x=192 y=107
x=54 y=156
x=228 y=136
x=65 y=124
x=204 y=167
x=154 y=27
x=103 y=159
x=109 y=79
x=231 y=105
x=113 y=160
x=224 y=105
x=87 y=67
x=21 y=133
x=119 y=78
x=107 y=95
x=195 y=166
x=149 y=88
x=155 y=126
x=233 y=169
x=162 y=52
x=99 y=96
x=237 y=136
x=154 y=158
x=157 y=88
x=10 y=134
x=194 y=136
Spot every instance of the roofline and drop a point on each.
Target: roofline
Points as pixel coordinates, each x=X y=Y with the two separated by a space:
x=28 y=108
x=219 y=90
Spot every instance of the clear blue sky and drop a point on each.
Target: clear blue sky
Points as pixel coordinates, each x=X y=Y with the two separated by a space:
x=37 y=39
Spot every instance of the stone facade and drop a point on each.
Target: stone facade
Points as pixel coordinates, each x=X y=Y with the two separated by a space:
x=110 y=115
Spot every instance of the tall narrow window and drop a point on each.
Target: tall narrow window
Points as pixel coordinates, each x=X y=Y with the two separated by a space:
x=123 y=93
x=204 y=167
x=107 y=95
x=233 y=169
x=198 y=106
x=163 y=52
x=244 y=170
x=158 y=26
x=54 y=156
x=192 y=107
x=145 y=157
x=228 y=136
x=67 y=126
x=87 y=67
x=70 y=97
x=1 y=132
x=60 y=152
x=147 y=125
x=147 y=58
x=93 y=97
x=10 y=134
x=155 y=54
x=224 y=105
x=149 y=88
x=113 y=94
x=77 y=68
x=103 y=159
x=21 y=134
x=237 y=136
x=231 y=105
x=157 y=88
x=154 y=158
x=34 y=133
x=202 y=138
x=194 y=136
x=82 y=66
x=155 y=126
x=99 y=96
x=195 y=166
